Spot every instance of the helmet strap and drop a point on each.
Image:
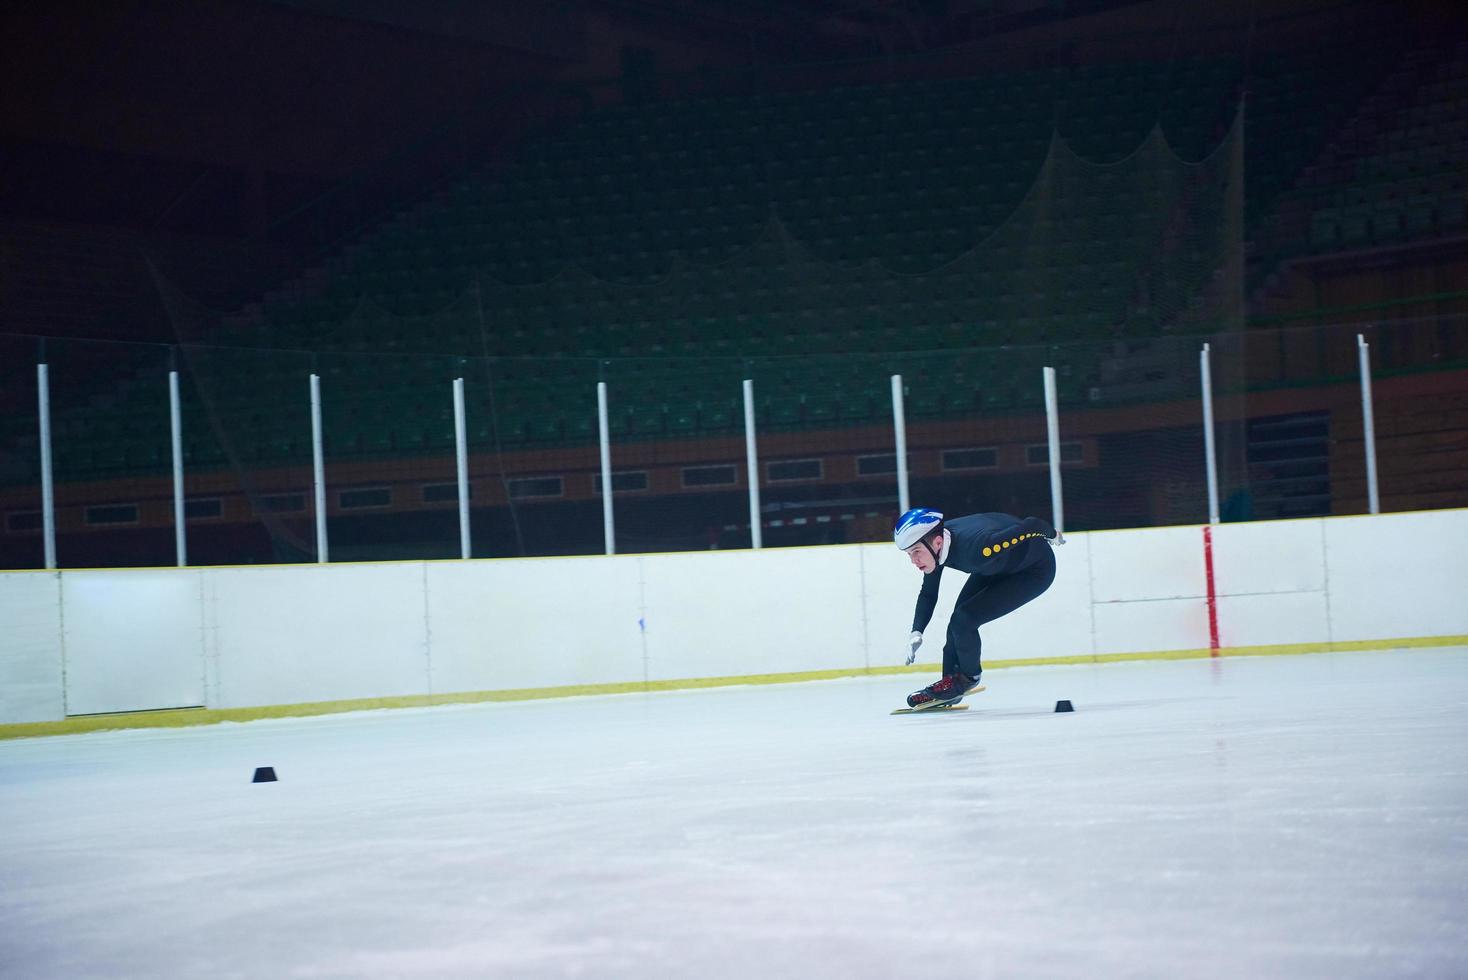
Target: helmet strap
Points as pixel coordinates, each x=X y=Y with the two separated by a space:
x=927 y=543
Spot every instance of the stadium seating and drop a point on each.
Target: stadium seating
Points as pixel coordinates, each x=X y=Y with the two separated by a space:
x=1395 y=173
x=840 y=221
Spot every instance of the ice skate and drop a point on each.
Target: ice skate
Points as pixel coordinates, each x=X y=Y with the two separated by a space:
x=946 y=692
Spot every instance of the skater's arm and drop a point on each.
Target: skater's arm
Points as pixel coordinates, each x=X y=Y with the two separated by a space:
x=927 y=600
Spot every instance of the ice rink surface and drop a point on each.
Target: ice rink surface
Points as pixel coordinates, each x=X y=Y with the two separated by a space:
x=1247 y=817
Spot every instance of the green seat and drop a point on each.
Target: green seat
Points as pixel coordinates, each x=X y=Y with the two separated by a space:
x=819 y=411
x=644 y=421
x=1387 y=220
x=582 y=428
x=543 y=428
x=779 y=413
x=1324 y=228
x=1355 y=224
x=1450 y=212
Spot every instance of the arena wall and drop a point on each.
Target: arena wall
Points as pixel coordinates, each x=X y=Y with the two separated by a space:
x=89 y=643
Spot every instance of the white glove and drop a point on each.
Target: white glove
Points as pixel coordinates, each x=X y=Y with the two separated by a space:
x=914 y=641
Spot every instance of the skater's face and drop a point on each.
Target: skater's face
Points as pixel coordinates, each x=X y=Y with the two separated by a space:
x=921 y=557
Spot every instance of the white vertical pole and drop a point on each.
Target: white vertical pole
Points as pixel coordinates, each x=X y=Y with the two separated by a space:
x=175 y=421
x=48 y=488
x=609 y=533
x=461 y=455
x=1368 y=421
x=753 y=463
x=1052 y=428
x=1209 y=447
x=899 y=423
x=319 y=470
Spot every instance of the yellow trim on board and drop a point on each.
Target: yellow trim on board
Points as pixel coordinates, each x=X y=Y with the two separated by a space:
x=182 y=717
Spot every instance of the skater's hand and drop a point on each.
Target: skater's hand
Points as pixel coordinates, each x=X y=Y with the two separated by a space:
x=914 y=641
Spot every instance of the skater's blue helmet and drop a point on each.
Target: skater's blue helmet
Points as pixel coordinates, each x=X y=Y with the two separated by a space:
x=915 y=525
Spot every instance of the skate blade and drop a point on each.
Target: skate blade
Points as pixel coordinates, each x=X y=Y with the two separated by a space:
x=941 y=705
x=931 y=711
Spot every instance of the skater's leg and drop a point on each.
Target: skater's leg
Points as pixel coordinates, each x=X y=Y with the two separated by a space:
x=949 y=689
x=990 y=599
x=962 y=647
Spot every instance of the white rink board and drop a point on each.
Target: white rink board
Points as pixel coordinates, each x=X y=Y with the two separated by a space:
x=31 y=675
x=548 y=622
x=719 y=614
x=1150 y=590
x=1398 y=575
x=1155 y=563
x=1147 y=627
x=1272 y=618
x=133 y=640
x=73 y=642
x=1269 y=556
x=288 y=635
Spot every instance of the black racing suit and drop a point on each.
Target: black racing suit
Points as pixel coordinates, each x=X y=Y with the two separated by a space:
x=1009 y=563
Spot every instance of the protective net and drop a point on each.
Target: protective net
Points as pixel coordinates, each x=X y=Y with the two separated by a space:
x=1112 y=264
